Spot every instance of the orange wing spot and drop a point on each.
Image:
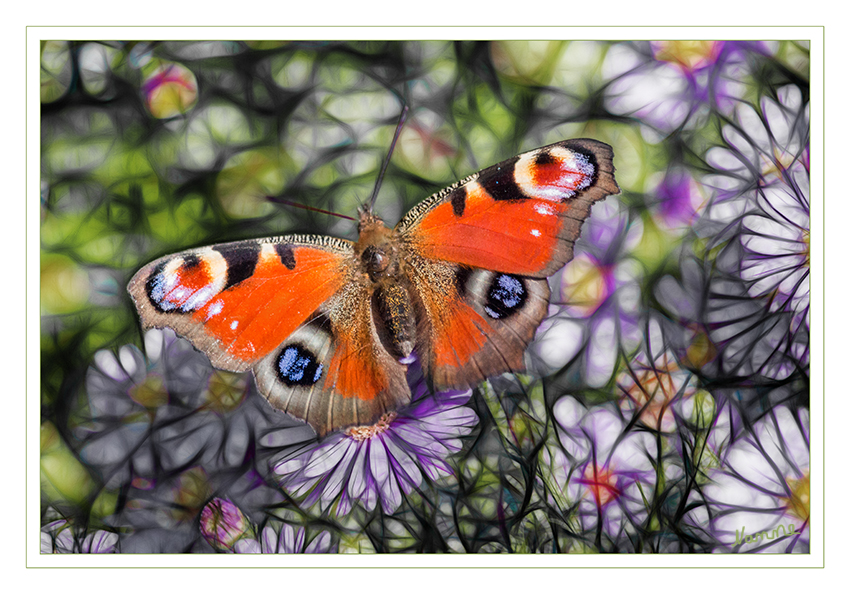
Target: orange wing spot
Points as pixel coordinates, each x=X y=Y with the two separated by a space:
x=555 y=175
x=458 y=335
x=255 y=316
x=558 y=176
x=194 y=277
x=512 y=236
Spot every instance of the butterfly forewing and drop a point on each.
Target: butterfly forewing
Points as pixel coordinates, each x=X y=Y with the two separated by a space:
x=521 y=216
x=238 y=301
x=479 y=252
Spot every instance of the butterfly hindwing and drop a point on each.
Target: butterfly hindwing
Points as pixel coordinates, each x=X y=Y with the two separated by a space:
x=521 y=216
x=237 y=301
x=332 y=371
x=474 y=323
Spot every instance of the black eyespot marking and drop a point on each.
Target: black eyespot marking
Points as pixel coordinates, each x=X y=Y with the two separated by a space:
x=544 y=158
x=458 y=200
x=190 y=261
x=286 y=255
x=506 y=296
x=589 y=158
x=297 y=366
x=500 y=182
x=154 y=289
x=461 y=279
x=241 y=261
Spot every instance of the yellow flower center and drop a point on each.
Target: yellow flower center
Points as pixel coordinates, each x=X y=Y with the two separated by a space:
x=691 y=54
x=225 y=391
x=583 y=285
x=652 y=389
x=151 y=393
x=701 y=349
x=797 y=503
x=772 y=168
x=366 y=432
x=806 y=250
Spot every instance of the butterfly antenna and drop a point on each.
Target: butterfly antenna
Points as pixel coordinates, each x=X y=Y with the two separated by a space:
x=305 y=207
x=398 y=127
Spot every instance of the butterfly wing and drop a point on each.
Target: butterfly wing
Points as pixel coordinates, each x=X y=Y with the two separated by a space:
x=478 y=254
x=237 y=301
x=521 y=216
x=288 y=308
x=475 y=323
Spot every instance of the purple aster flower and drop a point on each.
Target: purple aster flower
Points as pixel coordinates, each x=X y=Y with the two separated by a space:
x=285 y=539
x=775 y=238
x=384 y=461
x=679 y=200
x=168 y=428
x=671 y=84
x=60 y=537
x=608 y=472
x=758 y=499
x=759 y=215
x=169 y=408
x=735 y=335
x=599 y=294
x=125 y=394
x=649 y=390
x=761 y=143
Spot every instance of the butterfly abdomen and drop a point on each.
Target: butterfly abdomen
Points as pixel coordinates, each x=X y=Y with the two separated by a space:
x=394 y=319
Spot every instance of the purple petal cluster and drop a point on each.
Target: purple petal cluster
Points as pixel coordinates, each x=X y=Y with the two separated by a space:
x=384 y=462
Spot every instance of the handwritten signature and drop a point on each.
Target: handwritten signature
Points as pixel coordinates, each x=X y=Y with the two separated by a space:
x=741 y=538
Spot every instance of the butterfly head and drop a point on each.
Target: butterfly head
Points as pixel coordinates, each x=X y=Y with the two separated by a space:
x=367 y=221
x=376 y=247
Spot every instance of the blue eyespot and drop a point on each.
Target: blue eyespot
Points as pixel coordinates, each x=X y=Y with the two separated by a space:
x=506 y=296
x=297 y=366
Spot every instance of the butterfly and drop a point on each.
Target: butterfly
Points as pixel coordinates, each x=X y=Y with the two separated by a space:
x=329 y=326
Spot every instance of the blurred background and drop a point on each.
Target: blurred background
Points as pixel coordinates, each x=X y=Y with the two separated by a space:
x=666 y=401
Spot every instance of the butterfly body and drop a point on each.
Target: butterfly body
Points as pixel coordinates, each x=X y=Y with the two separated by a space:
x=329 y=326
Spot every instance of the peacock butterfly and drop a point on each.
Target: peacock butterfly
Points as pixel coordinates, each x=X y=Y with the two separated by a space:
x=329 y=327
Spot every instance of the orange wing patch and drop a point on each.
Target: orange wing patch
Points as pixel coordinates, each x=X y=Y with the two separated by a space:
x=517 y=236
x=253 y=317
x=354 y=375
x=359 y=368
x=451 y=332
x=459 y=333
